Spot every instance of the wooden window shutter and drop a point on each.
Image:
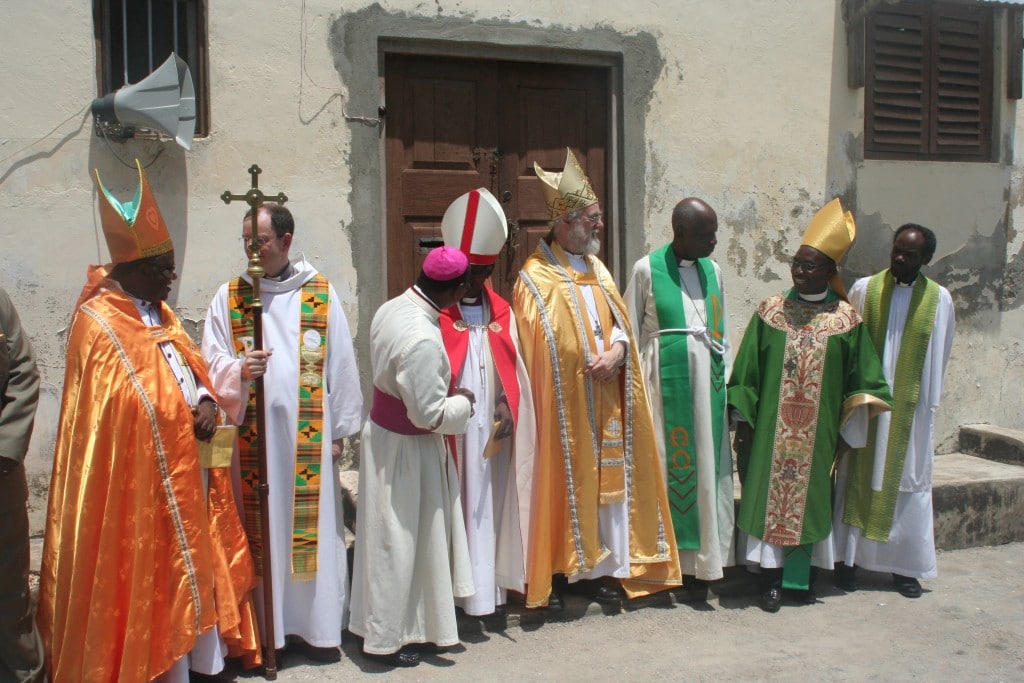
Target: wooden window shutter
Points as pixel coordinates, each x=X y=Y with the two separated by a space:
x=962 y=93
x=928 y=91
x=896 y=96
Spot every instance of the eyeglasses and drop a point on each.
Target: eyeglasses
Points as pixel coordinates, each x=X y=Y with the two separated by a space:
x=165 y=269
x=260 y=241
x=806 y=266
x=593 y=218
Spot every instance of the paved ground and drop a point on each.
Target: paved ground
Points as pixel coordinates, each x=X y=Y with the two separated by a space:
x=968 y=626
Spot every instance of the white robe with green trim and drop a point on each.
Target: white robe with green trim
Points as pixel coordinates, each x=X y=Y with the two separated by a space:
x=715 y=502
x=910 y=550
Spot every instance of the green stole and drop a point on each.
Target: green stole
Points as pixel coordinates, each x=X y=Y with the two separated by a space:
x=312 y=349
x=871 y=510
x=674 y=373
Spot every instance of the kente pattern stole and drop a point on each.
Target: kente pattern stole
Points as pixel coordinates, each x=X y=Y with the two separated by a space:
x=312 y=342
x=674 y=374
x=867 y=509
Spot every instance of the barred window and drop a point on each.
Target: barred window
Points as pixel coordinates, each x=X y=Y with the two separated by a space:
x=928 y=89
x=134 y=37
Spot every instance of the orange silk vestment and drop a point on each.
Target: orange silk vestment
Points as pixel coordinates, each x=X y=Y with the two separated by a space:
x=137 y=561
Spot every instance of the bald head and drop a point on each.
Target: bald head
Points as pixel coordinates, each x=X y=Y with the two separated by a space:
x=694 y=229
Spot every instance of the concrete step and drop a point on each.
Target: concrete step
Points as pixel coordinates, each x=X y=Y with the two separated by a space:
x=994 y=443
x=976 y=502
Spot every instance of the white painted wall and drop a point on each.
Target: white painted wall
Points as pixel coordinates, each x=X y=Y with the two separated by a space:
x=746 y=113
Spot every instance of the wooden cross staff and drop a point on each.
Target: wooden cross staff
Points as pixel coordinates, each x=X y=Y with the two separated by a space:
x=254 y=198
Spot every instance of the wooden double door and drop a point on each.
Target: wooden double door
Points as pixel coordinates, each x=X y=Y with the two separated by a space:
x=456 y=124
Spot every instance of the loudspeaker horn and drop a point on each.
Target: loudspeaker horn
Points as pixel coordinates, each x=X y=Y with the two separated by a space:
x=164 y=101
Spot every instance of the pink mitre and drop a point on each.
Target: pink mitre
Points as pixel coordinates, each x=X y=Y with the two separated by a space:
x=444 y=264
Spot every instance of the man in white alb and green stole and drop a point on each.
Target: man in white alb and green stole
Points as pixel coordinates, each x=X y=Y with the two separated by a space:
x=805 y=381
x=677 y=306
x=883 y=512
x=312 y=401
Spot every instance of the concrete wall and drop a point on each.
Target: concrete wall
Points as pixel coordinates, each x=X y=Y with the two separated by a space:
x=740 y=102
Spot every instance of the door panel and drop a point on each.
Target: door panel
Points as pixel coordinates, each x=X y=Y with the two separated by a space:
x=457 y=124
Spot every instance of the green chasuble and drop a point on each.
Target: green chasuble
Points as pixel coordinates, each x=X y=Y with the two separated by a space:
x=801 y=369
x=873 y=511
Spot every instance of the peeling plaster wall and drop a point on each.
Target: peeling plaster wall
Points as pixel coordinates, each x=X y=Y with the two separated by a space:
x=735 y=101
x=972 y=207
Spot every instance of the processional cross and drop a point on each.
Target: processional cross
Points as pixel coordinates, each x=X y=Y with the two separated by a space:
x=254 y=198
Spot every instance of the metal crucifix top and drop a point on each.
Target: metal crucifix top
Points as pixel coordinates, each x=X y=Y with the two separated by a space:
x=254 y=198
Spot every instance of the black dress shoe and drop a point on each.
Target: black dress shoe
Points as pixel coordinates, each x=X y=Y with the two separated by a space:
x=771 y=599
x=845 y=577
x=808 y=597
x=555 y=602
x=325 y=655
x=404 y=657
x=424 y=648
x=908 y=586
x=607 y=595
x=693 y=590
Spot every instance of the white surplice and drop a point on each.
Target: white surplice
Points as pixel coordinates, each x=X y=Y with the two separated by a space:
x=411 y=558
x=312 y=610
x=495 y=490
x=910 y=550
x=715 y=501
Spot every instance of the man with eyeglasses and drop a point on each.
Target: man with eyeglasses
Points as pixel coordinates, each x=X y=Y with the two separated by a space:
x=312 y=402
x=883 y=512
x=805 y=381
x=600 y=520
x=139 y=535
x=676 y=300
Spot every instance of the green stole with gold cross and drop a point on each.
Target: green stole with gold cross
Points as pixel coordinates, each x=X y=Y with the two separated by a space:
x=312 y=346
x=674 y=373
x=867 y=509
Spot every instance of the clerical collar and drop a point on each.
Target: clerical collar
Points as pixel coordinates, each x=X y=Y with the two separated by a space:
x=686 y=263
x=814 y=298
x=288 y=271
x=419 y=292
x=578 y=262
x=903 y=284
x=472 y=301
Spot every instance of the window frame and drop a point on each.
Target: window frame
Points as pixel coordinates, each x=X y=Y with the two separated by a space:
x=944 y=112
x=195 y=55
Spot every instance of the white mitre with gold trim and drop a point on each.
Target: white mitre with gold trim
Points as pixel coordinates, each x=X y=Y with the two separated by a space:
x=568 y=190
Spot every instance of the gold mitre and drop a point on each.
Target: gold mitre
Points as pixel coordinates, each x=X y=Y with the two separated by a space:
x=567 y=191
x=475 y=225
x=832 y=231
x=134 y=229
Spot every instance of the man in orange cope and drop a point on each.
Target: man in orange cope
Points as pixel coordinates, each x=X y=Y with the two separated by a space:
x=145 y=564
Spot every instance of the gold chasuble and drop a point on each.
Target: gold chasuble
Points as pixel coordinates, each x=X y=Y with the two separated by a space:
x=137 y=560
x=596 y=441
